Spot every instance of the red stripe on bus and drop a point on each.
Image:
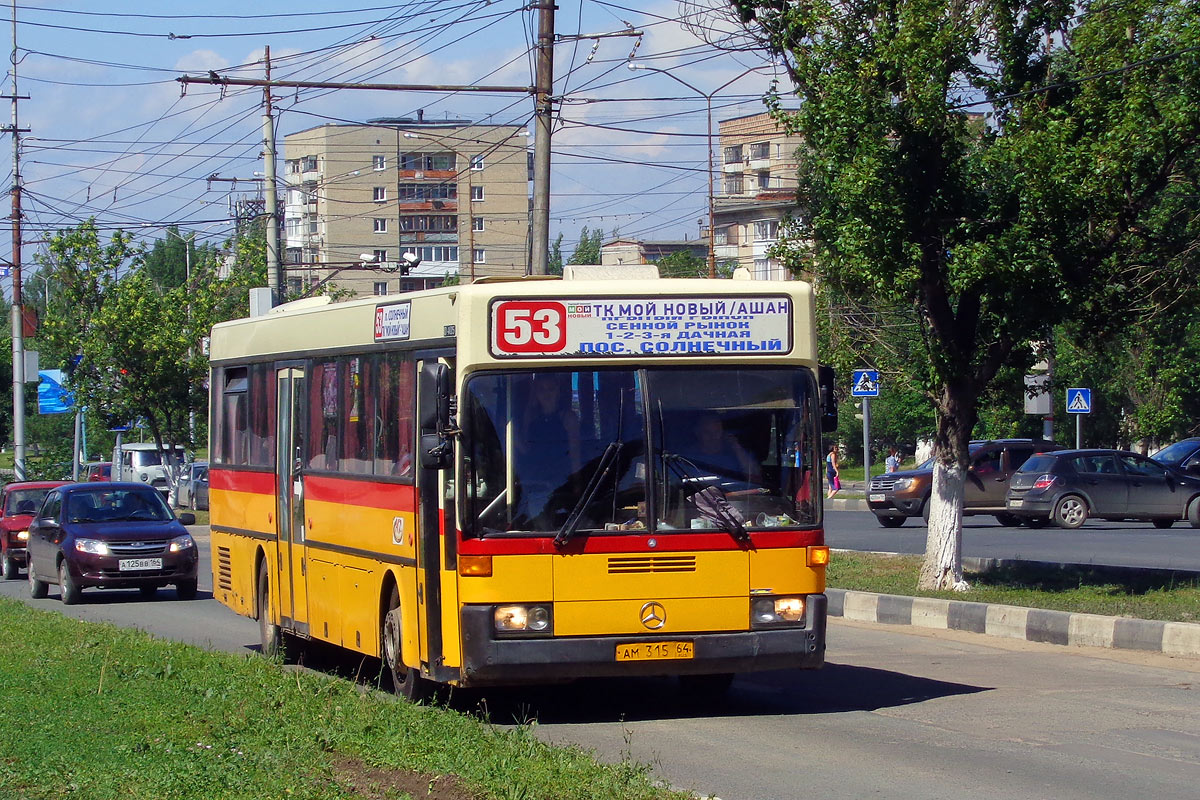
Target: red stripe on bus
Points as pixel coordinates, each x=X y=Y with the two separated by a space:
x=239 y=481
x=640 y=543
x=329 y=489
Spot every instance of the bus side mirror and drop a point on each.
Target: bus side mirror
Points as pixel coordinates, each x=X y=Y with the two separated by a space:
x=435 y=443
x=829 y=410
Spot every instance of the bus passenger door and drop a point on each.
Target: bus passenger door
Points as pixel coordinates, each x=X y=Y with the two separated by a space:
x=431 y=523
x=289 y=494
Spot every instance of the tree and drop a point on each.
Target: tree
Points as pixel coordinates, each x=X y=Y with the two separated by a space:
x=556 y=257
x=588 y=249
x=1070 y=201
x=682 y=264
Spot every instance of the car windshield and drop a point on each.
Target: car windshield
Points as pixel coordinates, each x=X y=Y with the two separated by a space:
x=24 y=501
x=103 y=505
x=555 y=452
x=1174 y=453
x=1039 y=462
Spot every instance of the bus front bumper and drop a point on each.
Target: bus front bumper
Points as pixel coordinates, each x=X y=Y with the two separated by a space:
x=492 y=660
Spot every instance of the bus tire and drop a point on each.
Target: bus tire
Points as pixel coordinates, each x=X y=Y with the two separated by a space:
x=406 y=682
x=274 y=642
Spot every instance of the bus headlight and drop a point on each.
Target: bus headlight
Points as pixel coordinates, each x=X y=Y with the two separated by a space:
x=770 y=611
x=522 y=619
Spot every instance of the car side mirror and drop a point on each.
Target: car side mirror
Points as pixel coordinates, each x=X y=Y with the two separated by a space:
x=187 y=518
x=49 y=522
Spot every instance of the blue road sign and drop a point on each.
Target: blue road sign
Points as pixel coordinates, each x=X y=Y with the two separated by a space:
x=53 y=397
x=1079 y=401
x=865 y=383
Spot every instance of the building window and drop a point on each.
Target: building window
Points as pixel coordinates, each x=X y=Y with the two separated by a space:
x=380 y=256
x=733 y=184
x=435 y=252
x=762 y=269
x=308 y=164
x=480 y=257
x=733 y=155
x=380 y=225
x=476 y=223
x=294 y=287
x=476 y=192
x=725 y=236
x=381 y=288
x=379 y=162
x=418 y=192
x=764 y=180
x=477 y=163
x=429 y=223
x=760 y=150
x=444 y=161
x=766 y=230
x=380 y=194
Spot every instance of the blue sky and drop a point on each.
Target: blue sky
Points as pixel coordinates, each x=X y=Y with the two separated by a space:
x=111 y=134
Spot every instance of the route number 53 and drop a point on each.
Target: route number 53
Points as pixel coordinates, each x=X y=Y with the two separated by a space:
x=529 y=327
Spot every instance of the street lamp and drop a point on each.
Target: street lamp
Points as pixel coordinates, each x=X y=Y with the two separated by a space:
x=188 y=243
x=708 y=98
x=470 y=192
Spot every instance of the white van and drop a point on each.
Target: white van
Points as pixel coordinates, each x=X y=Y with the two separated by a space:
x=145 y=463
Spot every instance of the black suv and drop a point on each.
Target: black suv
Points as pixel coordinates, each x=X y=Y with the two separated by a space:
x=896 y=496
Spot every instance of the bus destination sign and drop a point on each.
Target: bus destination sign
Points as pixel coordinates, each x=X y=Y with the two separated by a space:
x=708 y=325
x=391 y=321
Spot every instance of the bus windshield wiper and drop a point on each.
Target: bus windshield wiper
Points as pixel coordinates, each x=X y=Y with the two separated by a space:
x=593 y=485
x=686 y=470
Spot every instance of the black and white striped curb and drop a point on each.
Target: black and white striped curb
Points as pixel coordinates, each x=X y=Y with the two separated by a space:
x=1016 y=622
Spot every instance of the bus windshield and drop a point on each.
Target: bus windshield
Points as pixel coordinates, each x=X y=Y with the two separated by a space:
x=614 y=450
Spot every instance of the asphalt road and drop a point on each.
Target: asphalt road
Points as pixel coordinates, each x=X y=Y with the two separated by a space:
x=1125 y=544
x=896 y=712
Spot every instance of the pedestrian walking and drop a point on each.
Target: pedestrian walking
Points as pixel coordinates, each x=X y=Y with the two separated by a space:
x=832 y=473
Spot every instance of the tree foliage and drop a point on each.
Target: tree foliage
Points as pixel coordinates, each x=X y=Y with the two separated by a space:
x=1069 y=201
x=587 y=251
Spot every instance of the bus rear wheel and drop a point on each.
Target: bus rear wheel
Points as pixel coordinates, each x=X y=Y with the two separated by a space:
x=406 y=682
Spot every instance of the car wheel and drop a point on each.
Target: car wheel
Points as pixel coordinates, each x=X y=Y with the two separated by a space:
x=10 y=568
x=71 y=593
x=148 y=592
x=37 y=589
x=925 y=510
x=1070 y=512
x=1008 y=520
x=707 y=686
x=1193 y=514
x=273 y=640
x=405 y=682
x=1162 y=523
x=186 y=590
x=890 y=522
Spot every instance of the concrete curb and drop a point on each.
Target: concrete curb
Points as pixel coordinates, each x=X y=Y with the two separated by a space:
x=845 y=504
x=1017 y=622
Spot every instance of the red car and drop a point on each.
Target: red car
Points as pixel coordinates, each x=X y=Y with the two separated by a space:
x=21 y=500
x=97 y=471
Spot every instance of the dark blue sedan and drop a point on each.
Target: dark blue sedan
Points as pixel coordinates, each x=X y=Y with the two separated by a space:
x=111 y=536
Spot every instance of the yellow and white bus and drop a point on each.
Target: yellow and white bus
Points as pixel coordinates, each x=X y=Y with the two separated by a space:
x=529 y=480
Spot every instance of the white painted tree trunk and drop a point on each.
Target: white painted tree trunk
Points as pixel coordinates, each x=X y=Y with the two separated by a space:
x=943 y=543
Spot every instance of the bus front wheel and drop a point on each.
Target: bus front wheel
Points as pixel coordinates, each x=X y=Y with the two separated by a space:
x=406 y=681
x=273 y=640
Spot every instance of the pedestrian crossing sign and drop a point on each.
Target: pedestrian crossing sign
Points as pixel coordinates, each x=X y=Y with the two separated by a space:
x=1079 y=401
x=865 y=383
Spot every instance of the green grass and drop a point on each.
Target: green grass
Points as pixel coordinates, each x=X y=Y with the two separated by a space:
x=93 y=711
x=1157 y=595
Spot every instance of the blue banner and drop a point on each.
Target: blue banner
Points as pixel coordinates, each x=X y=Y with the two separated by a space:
x=53 y=398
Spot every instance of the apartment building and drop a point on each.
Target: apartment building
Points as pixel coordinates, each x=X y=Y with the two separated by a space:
x=757 y=191
x=359 y=196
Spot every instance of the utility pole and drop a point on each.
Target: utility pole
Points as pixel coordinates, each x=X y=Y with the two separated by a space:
x=274 y=278
x=544 y=114
x=18 y=308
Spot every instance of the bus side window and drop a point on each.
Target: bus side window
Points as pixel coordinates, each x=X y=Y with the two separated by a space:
x=323 y=416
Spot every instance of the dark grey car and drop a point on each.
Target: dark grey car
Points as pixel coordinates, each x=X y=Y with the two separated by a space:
x=1183 y=455
x=1069 y=486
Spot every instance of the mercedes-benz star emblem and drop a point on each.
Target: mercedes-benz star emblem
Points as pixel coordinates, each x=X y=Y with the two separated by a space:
x=654 y=616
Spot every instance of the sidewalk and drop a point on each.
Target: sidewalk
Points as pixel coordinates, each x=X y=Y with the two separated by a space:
x=851 y=497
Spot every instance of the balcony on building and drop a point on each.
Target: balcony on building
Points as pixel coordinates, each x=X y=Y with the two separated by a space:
x=760 y=156
x=733 y=160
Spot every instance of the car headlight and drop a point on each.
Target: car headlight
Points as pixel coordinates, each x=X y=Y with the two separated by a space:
x=22 y=536
x=522 y=619
x=145 y=477
x=768 y=611
x=181 y=543
x=93 y=546
x=903 y=484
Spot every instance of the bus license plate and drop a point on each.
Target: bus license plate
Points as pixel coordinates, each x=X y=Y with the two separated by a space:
x=132 y=564
x=876 y=498
x=655 y=651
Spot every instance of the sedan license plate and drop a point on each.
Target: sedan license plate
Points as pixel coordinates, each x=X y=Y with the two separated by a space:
x=655 y=651
x=875 y=498
x=133 y=564
x=1015 y=503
